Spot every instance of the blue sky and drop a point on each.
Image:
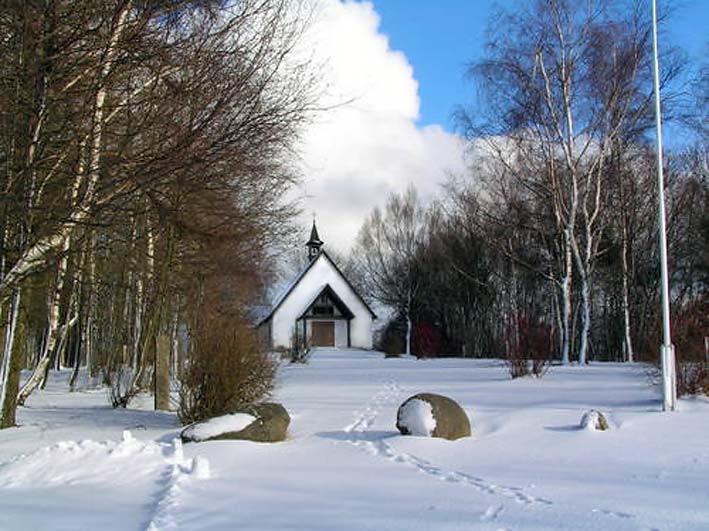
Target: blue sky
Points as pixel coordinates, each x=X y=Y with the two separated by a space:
x=399 y=65
x=440 y=37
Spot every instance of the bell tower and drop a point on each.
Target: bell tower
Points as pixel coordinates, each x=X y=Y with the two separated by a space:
x=314 y=243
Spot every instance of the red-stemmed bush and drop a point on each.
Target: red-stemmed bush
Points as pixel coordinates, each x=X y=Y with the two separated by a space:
x=528 y=346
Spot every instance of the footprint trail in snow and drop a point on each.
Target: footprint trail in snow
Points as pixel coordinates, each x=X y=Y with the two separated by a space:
x=179 y=473
x=380 y=448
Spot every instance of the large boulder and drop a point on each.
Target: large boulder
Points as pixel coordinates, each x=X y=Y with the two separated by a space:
x=266 y=422
x=431 y=415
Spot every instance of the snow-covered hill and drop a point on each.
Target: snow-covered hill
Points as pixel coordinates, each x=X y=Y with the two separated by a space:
x=77 y=464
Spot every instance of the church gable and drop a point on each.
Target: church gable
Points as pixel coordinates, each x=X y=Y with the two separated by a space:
x=324 y=267
x=327 y=304
x=322 y=272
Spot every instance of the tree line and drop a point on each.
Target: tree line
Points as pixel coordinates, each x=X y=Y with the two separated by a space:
x=145 y=150
x=549 y=244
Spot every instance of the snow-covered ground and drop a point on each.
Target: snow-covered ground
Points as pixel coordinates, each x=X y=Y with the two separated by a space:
x=73 y=466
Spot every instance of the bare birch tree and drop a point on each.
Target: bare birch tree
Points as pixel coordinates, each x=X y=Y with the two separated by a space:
x=565 y=82
x=386 y=252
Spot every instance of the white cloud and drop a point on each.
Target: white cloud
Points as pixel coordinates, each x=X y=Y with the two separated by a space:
x=369 y=145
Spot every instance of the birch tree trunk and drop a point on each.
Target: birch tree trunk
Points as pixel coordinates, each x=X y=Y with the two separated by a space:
x=628 y=342
x=556 y=312
x=61 y=346
x=175 y=361
x=10 y=368
x=87 y=340
x=408 y=333
x=566 y=301
x=585 y=321
x=145 y=325
x=50 y=342
x=74 y=307
x=409 y=325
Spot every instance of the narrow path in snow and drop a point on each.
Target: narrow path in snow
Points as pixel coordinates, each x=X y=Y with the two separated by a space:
x=359 y=438
x=178 y=473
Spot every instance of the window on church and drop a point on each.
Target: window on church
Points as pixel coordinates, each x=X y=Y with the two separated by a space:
x=323 y=310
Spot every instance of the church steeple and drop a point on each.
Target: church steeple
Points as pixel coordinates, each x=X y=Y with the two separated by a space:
x=314 y=243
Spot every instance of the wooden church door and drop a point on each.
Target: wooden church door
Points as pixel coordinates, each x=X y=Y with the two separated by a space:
x=323 y=334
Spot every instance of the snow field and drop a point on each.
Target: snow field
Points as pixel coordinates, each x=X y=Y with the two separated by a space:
x=528 y=466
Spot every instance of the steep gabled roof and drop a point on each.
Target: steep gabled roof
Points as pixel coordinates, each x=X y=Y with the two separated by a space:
x=288 y=290
x=327 y=289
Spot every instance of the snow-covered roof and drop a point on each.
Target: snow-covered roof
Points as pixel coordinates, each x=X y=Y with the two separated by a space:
x=283 y=295
x=256 y=313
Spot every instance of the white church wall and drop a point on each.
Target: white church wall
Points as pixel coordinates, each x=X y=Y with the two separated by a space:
x=341 y=334
x=320 y=274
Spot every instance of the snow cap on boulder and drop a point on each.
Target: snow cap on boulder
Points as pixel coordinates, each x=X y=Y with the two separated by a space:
x=432 y=415
x=216 y=427
x=594 y=420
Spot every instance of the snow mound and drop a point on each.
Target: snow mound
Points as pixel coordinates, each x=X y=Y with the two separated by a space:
x=202 y=431
x=417 y=416
x=87 y=461
x=594 y=420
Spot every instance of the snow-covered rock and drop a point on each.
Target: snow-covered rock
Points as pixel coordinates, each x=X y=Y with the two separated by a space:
x=594 y=420
x=266 y=422
x=432 y=415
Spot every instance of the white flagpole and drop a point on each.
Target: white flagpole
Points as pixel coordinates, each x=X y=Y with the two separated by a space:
x=667 y=351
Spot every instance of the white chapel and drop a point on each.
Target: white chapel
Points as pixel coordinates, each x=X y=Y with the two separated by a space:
x=319 y=308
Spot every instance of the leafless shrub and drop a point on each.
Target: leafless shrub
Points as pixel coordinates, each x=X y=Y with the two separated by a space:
x=518 y=365
x=120 y=385
x=392 y=341
x=690 y=327
x=226 y=370
x=692 y=378
x=528 y=353
x=691 y=330
x=299 y=350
